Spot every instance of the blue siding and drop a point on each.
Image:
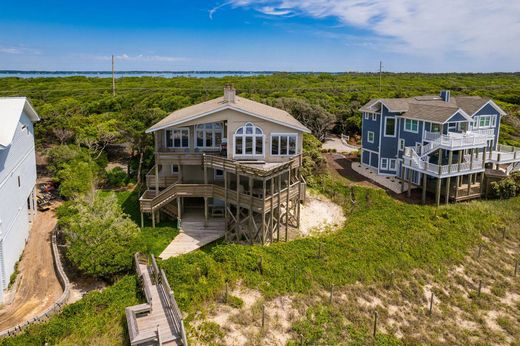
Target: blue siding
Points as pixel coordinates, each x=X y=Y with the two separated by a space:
x=389 y=145
x=370 y=125
x=490 y=110
x=410 y=138
x=374 y=162
x=365 y=157
x=456 y=118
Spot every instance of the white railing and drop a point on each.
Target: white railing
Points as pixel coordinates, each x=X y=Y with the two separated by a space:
x=413 y=160
x=455 y=139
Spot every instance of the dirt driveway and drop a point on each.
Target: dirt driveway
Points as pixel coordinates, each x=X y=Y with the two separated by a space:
x=38 y=287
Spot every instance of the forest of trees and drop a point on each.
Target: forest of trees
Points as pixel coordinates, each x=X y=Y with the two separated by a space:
x=82 y=111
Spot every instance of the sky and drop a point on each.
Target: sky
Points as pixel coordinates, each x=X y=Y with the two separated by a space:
x=262 y=35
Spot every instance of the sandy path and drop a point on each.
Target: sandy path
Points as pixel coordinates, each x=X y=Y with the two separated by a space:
x=39 y=286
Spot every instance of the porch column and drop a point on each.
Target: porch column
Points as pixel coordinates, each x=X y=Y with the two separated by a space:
x=448 y=181
x=142 y=220
x=205 y=198
x=403 y=176
x=153 y=218
x=438 y=191
x=409 y=192
x=425 y=181
x=457 y=185
x=469 y=183
x=287 y=203
x=156 y=176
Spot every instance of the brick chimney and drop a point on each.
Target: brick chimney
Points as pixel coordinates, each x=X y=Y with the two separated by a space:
x=229 y=93
x=445 y=95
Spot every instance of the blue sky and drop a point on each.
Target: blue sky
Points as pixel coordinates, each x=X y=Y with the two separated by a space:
x=288 y=35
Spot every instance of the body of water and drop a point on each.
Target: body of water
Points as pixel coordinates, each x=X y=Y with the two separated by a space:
x=108 y=74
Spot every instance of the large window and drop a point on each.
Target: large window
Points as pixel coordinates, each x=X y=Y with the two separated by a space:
x=209 y=135
x=436 y=128
x=178 y=138
x=283 y=144
x=249 y=140
x=411 y=125
x=390 y=127
x=484 y=121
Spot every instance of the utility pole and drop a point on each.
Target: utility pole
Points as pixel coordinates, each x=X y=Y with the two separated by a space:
x=113 y=78
x=380 y=74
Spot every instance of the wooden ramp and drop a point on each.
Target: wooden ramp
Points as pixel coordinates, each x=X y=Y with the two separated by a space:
x=159 y=320
x=194 y=235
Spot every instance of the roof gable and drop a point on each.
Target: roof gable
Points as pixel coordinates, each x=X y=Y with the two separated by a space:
x=242 y=105
x=11 y=109
x=458 y=116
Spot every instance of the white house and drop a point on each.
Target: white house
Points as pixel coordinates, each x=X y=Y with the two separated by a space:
x=17 y=181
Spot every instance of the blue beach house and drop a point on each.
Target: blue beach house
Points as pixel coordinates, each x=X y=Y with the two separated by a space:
x=443 y=145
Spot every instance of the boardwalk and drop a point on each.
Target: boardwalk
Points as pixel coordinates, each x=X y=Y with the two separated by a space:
x=159 y=321
x=194 y=235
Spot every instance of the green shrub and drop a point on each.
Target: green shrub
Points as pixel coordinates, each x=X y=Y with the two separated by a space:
x=74 y=169
x=508 y=187
x=101 y=239
x=117 y=177
x=235 y=302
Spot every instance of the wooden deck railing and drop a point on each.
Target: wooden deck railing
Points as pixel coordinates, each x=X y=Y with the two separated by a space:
x=149 y=202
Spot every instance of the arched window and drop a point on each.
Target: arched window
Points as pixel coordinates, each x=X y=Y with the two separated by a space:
x=249 y=140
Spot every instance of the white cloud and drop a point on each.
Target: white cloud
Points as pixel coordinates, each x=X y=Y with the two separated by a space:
x=479 y=29
x=18 y=50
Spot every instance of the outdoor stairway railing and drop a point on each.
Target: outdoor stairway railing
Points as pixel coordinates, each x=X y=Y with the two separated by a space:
x=162 y=310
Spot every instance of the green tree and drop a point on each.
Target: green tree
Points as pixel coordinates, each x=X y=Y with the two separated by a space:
x=101 y=239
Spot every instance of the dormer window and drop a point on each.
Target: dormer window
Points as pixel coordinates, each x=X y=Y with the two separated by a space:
x=249 y=140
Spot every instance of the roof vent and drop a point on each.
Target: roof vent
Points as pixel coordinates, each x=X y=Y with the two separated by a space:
x=229 y=93
x=445 y=95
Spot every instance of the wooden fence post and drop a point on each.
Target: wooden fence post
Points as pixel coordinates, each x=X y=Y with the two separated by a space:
x=375 y=325
x=431 y=304
x=331 y=293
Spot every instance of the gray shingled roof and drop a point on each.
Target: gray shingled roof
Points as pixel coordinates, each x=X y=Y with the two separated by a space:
x=430 y=108
x=240 y=104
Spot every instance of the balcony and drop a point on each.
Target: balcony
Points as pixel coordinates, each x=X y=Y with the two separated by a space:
x=459 y=140
x=468 y=165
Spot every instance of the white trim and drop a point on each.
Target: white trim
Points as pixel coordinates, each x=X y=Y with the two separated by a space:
x=395 y=127
x=394 y=161
x=411 y=130
x=366 y=115
x=494 y=105
x=368 y=137
x=371 y=151
x=374 y=116
x=402 y=144
x=254 y=137
x=226 y=106
x=279 y=135
x=383 y=166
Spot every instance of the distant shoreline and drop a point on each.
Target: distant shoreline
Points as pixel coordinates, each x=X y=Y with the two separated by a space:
x=202 y=74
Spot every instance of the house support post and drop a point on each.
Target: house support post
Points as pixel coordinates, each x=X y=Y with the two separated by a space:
x=205 y=198
x=153 y=218
x=279 y=214
x=424 y=185
x=142 y=220
x=262 y=227
x=409 y=192
x=226 y=216
x=237 y=227
x=457 y=184
x=271 y=216
x=251 y=228
x=287 y=204
x=438 y=191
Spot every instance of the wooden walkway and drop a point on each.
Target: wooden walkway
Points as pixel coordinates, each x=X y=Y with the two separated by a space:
x=193 y=234
x=159 y=321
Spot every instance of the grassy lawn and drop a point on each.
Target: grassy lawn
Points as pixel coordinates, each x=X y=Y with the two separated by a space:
x=383 y=241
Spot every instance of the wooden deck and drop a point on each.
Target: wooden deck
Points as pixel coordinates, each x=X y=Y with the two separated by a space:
x=159 y=321
x=193 y=234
